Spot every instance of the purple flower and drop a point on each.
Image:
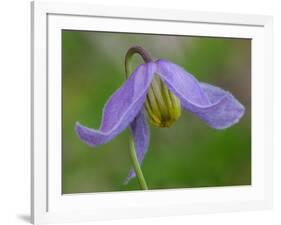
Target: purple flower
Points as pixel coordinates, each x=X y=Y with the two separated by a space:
x=162 y=89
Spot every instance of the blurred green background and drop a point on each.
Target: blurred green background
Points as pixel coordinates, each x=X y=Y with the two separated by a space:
x=189 y=154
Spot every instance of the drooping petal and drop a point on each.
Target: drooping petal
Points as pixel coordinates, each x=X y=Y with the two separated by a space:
x=140 y=132
x=122 y=107
x=225 y=111
x=180 y=82
x=213 y=105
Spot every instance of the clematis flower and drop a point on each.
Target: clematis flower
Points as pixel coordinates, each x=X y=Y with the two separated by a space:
x=159 y=90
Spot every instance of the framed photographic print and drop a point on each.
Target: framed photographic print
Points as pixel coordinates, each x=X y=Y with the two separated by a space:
x=147 y=112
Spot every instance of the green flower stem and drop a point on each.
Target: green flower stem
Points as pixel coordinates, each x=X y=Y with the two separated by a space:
x=133 y=155
x=136 y=166
x=135 y=49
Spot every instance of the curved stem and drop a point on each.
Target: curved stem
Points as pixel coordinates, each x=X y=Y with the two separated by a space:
x=135 y=49
x=136 y=166
x=145 y=56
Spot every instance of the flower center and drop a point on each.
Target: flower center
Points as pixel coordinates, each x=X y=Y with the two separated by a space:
x=162 y=107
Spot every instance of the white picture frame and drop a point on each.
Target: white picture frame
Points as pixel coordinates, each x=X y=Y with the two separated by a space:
x=48 y=205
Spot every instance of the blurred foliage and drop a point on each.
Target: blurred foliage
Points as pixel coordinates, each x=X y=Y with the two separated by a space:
x=189 y=154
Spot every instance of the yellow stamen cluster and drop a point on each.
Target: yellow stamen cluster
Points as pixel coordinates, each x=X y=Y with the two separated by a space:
x=163 y=107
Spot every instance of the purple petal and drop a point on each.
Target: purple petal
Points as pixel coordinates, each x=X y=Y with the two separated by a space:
x=213 y=105
x=140 y=132
x=122 y=107
x=225 y=110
